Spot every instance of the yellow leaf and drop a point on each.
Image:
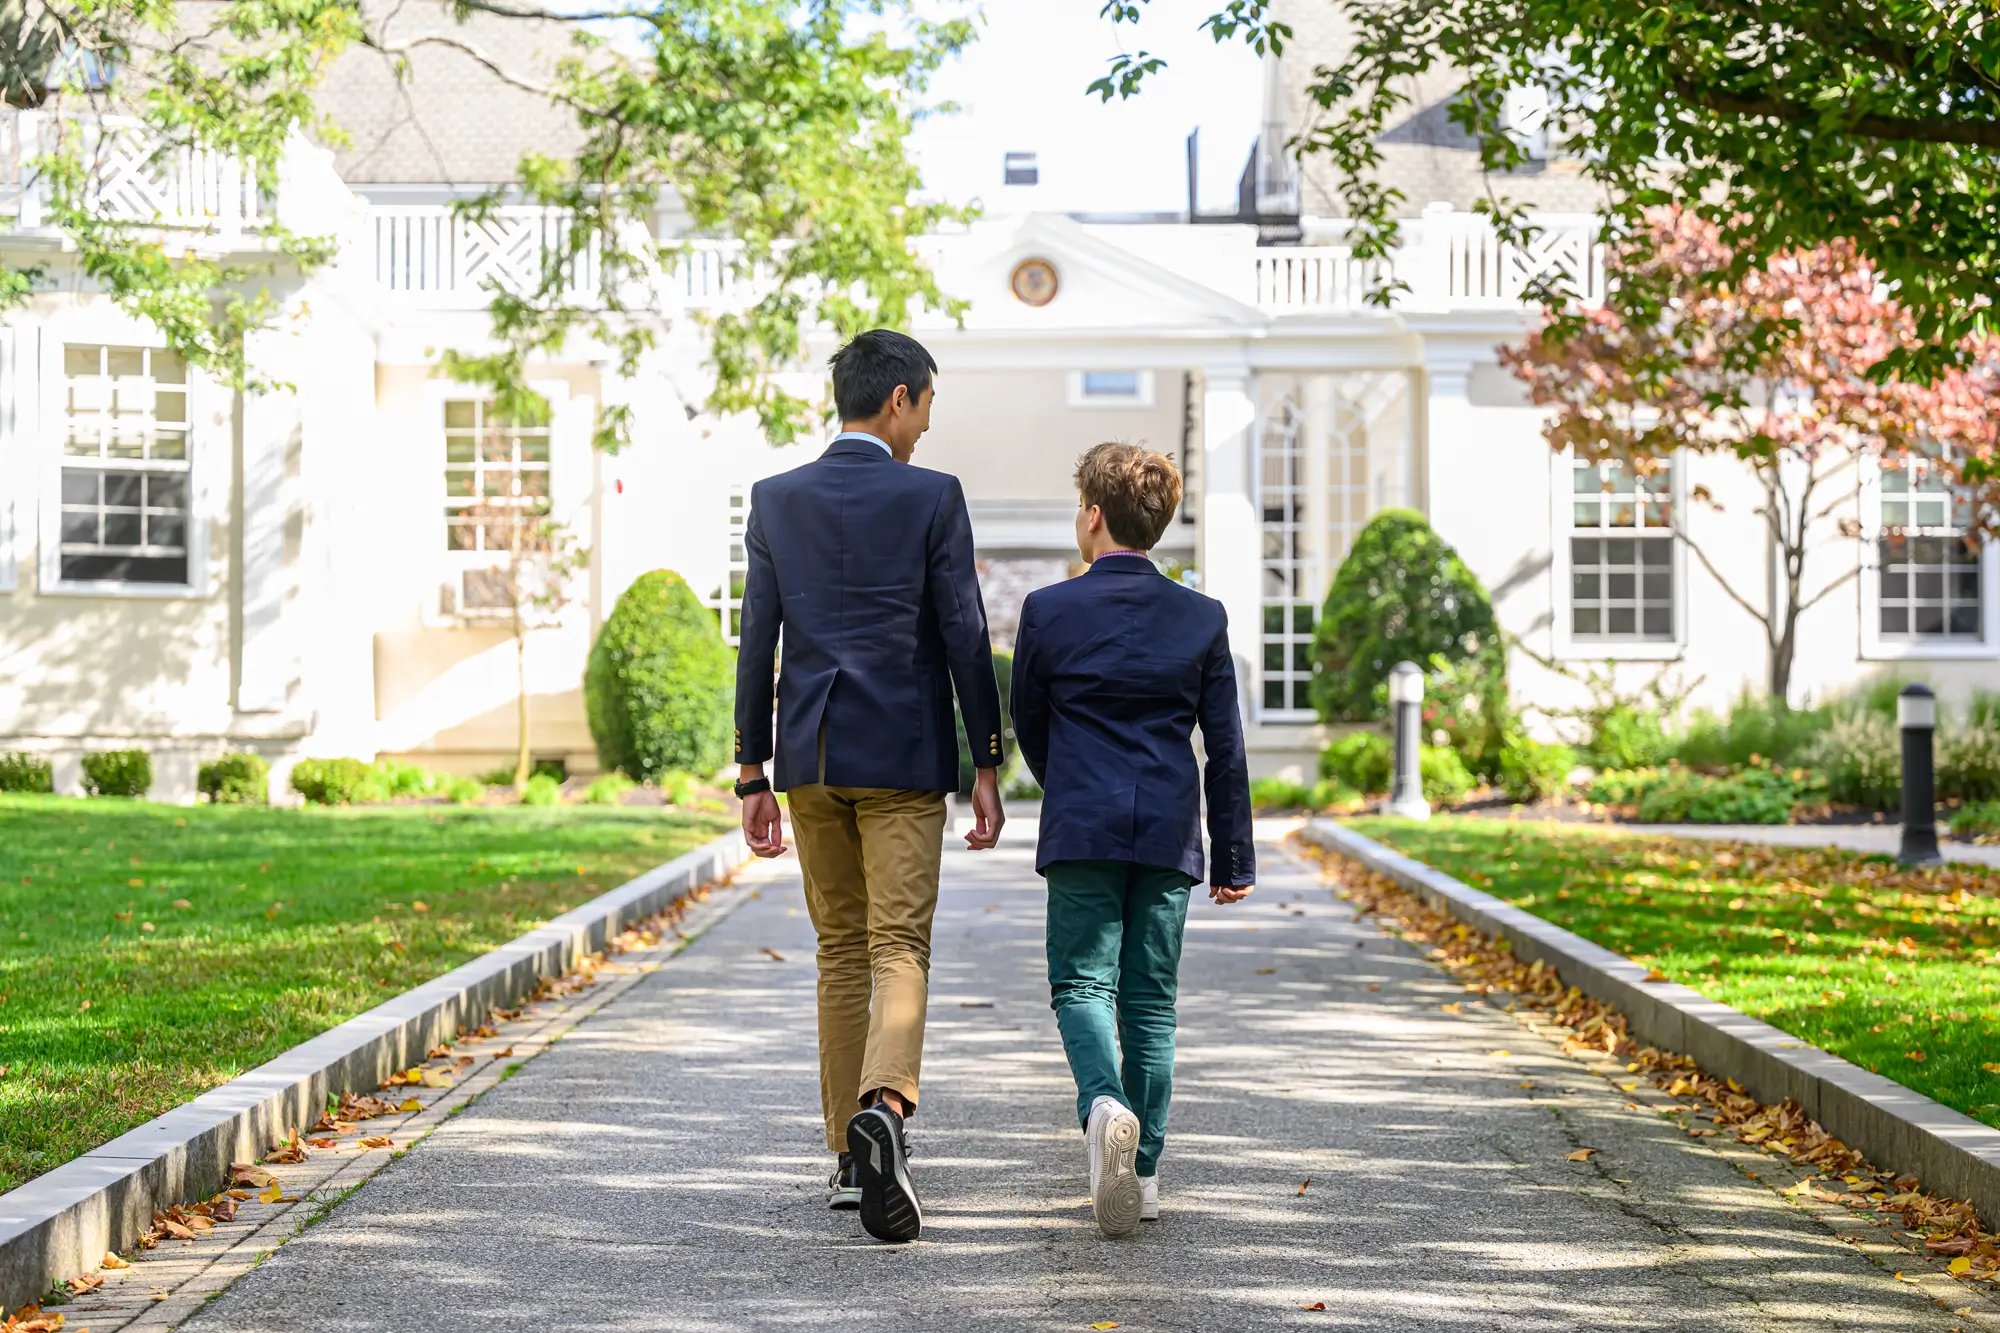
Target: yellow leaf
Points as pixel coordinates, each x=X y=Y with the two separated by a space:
x=436 y=1078
x=1582 y=1155
x=1991 y=1066
x=1105 y=1323
x=1451 y=1008
x=1960 y=1266
x=1654 y=974
x=1497 y=1055
x=113 y=1261
x=271 y=1194
x=411 y=1104
x=1628 y=1087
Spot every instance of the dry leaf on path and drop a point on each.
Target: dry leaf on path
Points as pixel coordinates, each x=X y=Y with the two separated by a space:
x=1654 y=974
x=112 y=1261
x=271 y=1194
x=777 y=957
x=1453 y=1008
x=1105 y=1323
x=1316 y=1305
x=411 y=1104
x=325 y=1143
x=436 y=1078
x=1302 y=1184
x=87 y=1282
x=1581 y=1155
x=1959 y=1266
x=256 y=1177
x=377 y=1141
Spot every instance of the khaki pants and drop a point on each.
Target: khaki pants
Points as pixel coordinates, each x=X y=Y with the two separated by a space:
x=870 y=857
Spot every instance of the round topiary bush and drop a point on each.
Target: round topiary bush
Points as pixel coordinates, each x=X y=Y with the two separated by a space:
x=660 y=687
x=1402 y=594
x=239 y=778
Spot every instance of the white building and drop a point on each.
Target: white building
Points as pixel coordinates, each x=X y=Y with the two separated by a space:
x=189 y=569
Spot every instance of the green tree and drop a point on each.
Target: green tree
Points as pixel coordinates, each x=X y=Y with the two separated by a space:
x=1786 y=124
x=778 y=126
x=1402 y=594
x=659 y=689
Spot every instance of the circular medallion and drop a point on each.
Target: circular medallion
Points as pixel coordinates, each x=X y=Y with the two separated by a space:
x=1034 y=282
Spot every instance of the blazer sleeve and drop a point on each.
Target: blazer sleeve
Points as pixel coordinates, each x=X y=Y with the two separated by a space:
x=757 y=651
x=1031 y=696
x=953 y=587
x=1226 y=777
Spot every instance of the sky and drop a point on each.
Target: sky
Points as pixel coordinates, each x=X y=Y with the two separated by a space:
x=1020 y=87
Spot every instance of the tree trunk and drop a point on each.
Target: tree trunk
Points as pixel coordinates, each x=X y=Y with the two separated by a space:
x=521 y=701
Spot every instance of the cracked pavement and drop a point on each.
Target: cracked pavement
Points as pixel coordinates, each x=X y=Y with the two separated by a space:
x=660 y=1167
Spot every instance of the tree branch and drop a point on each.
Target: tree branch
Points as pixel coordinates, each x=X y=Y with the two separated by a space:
x=1820 y=596
x=1763 y=619
x=1868 y=125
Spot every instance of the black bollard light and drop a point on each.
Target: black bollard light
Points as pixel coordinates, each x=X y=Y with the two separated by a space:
x=1916 y=714
x=1406 y=783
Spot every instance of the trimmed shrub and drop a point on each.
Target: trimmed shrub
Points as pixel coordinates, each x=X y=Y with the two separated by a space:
x=338 y=782
x=1445 y=777
x=1402 y=594
x=1752 y=729
x=1624 y=737
x=1860 y=759
x=1980 y=820
x=1753 y=796
x=542 y=790
x=1326 y=794
x=462 y=790
x=26 y=773
x=1532 y=770
x=1624 y=786
x=1968 y=762
x=118 y=773
x=1277 y=794
x=660 y=686
x=400 y=778
x=608 y=790
x=236 y=779
x=1360 y=761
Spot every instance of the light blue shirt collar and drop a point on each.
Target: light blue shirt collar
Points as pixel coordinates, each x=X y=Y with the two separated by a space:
x=879 y=443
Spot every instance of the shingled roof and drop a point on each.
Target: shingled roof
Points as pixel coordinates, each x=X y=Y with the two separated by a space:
x=1425 y=155
x=449 y=120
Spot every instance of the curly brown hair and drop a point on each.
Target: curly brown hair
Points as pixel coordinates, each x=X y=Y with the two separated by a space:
x=1137 y=489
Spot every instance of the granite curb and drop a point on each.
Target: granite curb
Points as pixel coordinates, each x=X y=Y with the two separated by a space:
x=63 y=1222
x=1952 y=1154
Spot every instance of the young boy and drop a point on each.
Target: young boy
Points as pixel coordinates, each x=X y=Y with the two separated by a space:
x=1112 y=672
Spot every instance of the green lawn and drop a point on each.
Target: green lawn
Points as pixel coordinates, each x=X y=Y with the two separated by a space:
x=149 y=952
x=1896 y=971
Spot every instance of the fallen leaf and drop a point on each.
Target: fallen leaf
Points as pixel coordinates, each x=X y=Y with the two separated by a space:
x=1991 y=1066
x=243 y=1173
x=85 y=1005
x=411 y=1104
x=1374 y=985
x=183 y=904
x=1302 y=1184
x=1105 y=1323
x=241 y=1194
x=1901 y=1278
x=146 y=926
x=463 y=1061
x=173 y=1228
x=1581 y=1155
x=325 y=1143
x=1266 y=971
x=271 y=1194
x=1453 y=1008
x=1498 y=1055
x=420 y=907
x=377 y=1141
x=288 y=1152
x=87 y=1282
x=224 y=1211
x=112 y=1261
x=504 y=1054
x=436 y=1078
x=1959 y=1266
x=1654 y=974
x=1528 y=1084
x=1316 y=1305
x=777 y=957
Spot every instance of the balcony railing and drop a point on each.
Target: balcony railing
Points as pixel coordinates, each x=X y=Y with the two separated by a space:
x=1449 y=260
x=132 y=176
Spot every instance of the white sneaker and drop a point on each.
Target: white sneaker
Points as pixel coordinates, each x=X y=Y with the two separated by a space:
x=1112 y=1138
x=1149 y=1198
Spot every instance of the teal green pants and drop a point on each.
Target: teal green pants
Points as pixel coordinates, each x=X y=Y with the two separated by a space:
x=1114 y=972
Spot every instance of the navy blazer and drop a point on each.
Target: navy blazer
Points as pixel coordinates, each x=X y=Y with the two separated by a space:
x=866 y=565
x=1112 y=671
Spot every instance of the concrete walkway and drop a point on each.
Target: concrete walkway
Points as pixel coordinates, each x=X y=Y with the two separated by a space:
x=660 y=1168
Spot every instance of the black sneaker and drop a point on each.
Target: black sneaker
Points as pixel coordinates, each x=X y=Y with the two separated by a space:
x=889 y=1207
x=843 y=1187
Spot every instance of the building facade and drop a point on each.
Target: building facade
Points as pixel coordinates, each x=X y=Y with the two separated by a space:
x=301 y=568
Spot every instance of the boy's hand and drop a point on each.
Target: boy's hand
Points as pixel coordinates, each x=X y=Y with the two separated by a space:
x=987 y=816
x=1228 y=893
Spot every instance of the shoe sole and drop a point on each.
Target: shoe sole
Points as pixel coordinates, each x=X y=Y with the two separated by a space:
x=845 y=1201
x=1117 y=1199
x=889 y=1207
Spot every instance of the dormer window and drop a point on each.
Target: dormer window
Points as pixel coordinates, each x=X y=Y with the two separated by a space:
x=1021 y=169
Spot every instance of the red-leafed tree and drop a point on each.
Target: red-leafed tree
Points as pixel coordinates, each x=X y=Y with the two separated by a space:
x=1784 y=371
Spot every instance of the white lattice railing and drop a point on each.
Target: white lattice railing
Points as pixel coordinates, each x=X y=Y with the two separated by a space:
x=1449 y=260
x=133 y=175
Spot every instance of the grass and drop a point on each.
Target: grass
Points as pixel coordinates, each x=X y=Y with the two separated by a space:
x=1897 y=971
x=149 y=952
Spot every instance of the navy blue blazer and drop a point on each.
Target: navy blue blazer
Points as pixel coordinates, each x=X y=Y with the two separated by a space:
x=1113 y=669
x=866 y=566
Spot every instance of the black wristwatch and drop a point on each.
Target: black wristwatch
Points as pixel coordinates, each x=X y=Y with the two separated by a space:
x=752 y=787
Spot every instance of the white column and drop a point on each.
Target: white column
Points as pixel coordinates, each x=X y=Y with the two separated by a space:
x=269 y=512
x=1449 y=426
x=1227 y=542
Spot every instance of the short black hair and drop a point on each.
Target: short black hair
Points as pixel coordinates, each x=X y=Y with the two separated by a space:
x=867 y=371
